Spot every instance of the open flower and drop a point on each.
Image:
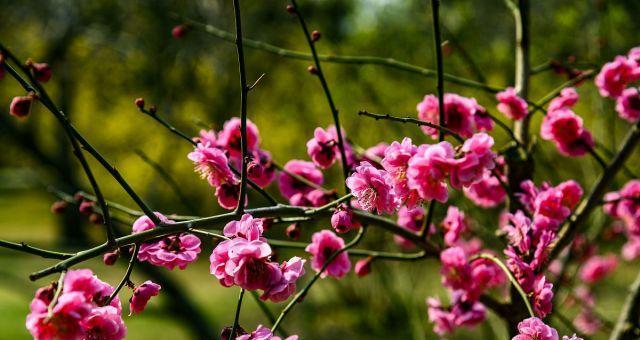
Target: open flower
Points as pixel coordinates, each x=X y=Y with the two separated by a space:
x=428 y=169
x=322 y=148
x=290 y=186
x=323 y=245
x=212 y=164
x=616 y=75
x=459 y=114
x=141 y=296
x=368 y=184
x=511 y=105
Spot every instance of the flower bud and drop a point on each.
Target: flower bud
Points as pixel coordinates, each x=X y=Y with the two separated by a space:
x=342 y=219
x=58 y=207
x=179 y=31
x=312 y=69
x=96 y=218
x=363 y=267
x=21 y=106
x=293 y=231
x=139 y=103
x=78 y=196
x=153 y=109
x=291 y=9
x=110 y=258
x=86 y=207
x=226 y=332
x=316 y=35
x=41 y=71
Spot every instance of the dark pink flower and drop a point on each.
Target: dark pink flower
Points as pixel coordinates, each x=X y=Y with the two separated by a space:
x=597 y=268
x=411 y=219
x=363 y=267
x=567 y=99
x=104 y=323
x=476 y=158
x=212 y=164
x=323 y=245
x=289 y=186
x=207 y=136
x=342 y=219
x=522 y=271
x=459 y=114
x=93 y=289
x=534 y=329
x=141 y=296
x=371 y=189
x=280 y=290
x=228 y=195
x=41 y=71
x=428 y=169
x=247 y=227
x=628 y=105
x=482 y=119
x=218 y=259
x=456 y=271
x=21 y=106
x=395 y=162
x=518 y=230
x=587 y=322
x=542 y=297
x=249 y=266
x=511 y=105
x=454 y=224
x=263 y=333
x=322 y=148
x=260 y=169
x=65 y=321
x=565 y=128
x=616 y=75
x=487 y=192
x=229 y=138
x=460 y=313
x=443 y=319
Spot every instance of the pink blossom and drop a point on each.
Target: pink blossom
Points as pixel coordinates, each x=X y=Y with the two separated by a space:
x=212 y=164
x=459 y=114
x=322 y=148
x=549 y=208
x=218 y=259
x=285 y=286
x=456 y=271
x=628 y=105
x=93 y=289
x=428 y=169
x=395 y=162
x=230 y=136
x=631 y=249
x=567 y=99
x=597 y=268
x=342 y=219
x=228 y=195
x=477 y=157
x=542 y=297
x=443 y=319
x=518 y=231
x=249 y=266
x=260 y=169
x=371 y=190
x=634 y=53
x=21 y=106
x=486 y=274
x=522 y=271
x=104 y=323
x=616 y=75
x=535 y=329
x=487 y=192
x=141 y=296
x=207 y=136
x=247 y=227
x=461 y=313
x=363 y=267
x=289 y=186
x=263 y=333
x=41 y=71
x=323 y=245
x=170 y=251
x=511 y=105
x=454 y=224
x=587 y=322
x=482 y=119
x=65 y=321
x=571 y=193
x=411 y=219
x=566 y=129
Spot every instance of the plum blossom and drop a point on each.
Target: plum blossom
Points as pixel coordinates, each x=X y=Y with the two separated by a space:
x=395 y=162
x=260 y=168
x=212 y=164
x=247 y=227
x=281 y=289
x=476 y=158
x=460 y=114
x=229 y=138
x=567 y=99
x=263 y=333
x=411 y=219
x=371 y=189
x=323 y=245
x=628 y=105
x=65 y=321
x=342 y=219
x=322 y=148
x=228 y=195
x=460 y=313
x=597 y=268
x=511 y=105
x=535 y=329
x=566 y=130
x=290 y=186
x=616 y=75
x=141 y=296
x=363 y=267
x=542 y=297
x=487 y=192
x=170 y=251
x=428 y=169
x=104 y=323
x=454 y=224
x=21 y=106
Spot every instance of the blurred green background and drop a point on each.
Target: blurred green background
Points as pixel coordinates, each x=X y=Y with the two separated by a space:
x=104 y=54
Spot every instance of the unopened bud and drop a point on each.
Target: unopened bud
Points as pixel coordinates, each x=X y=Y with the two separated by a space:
x=78 y=196
x=21 y=106
x=179 y=31
x=110 y=258
x=96 y=218
x=86 y=207
x=363 y=267
x=58 y=207
x=293 y=231
x=153 y=109
x=291 y=9
x=226 y=333
x=139 y=103
x=312 y=69
x=41 y=71
x=316 y=35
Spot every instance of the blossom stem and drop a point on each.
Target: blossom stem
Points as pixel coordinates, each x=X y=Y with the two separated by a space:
x=539 y=105
x=127 y=274
x=78 y=141
x=512 y=278
x=302 y=293
x=237 y=317
x=411 y=121
x=329 y=205
x=25 y=248
x=56 y=295
x=437 y=40
x=341 y=59
x=327 y=92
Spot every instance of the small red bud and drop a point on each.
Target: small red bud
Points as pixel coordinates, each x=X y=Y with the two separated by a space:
x=110 y=258
x=363 y=267
x=58 y=207
x=139 y=103
x=267 y=223
x=86 y=207
x=293 y=231
x=226 y=332
x=291 y=9
x=41 y=71
x=78 y=196
x=312 y=69
x=179 y=31
x=316 y=35
x=96 y=218
x=21 y=106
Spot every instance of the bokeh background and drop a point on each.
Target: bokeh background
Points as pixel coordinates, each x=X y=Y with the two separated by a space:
x=106 y=53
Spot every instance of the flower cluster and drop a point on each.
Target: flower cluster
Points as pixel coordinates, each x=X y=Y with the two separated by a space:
x=79 y=311
x=261 y=333
x=535 y=329
x=564 y=127
x=170 y=251
x=614 y=79
x=462 y=115
x=217 y=152
x=244 y=260
x=323 y=147
x=625 y=206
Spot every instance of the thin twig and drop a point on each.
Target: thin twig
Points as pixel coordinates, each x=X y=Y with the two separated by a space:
x=127 y=274
x=411 y=121
x=25 y=248
x=237 y=317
